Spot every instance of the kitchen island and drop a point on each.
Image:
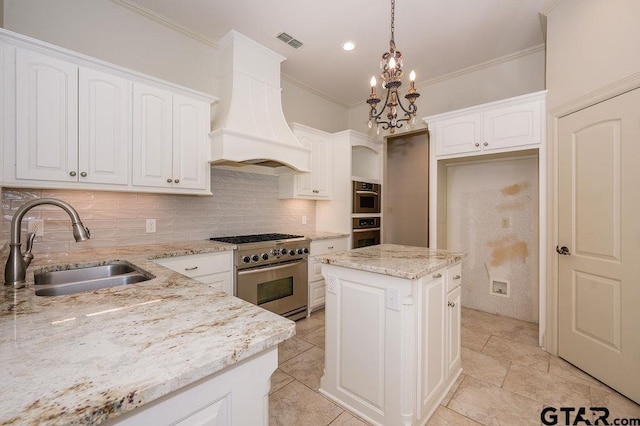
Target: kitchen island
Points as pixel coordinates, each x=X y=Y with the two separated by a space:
x=152 y=352
x=392 y=342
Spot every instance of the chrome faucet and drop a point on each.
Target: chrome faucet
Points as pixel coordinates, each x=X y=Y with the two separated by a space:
x=15 y=271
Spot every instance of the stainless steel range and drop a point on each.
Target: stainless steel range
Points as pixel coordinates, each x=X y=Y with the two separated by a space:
x=271 y=272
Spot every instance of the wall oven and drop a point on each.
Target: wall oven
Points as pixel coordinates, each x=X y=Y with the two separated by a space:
x=366 y=231
x=273 y=273
x=366 y=197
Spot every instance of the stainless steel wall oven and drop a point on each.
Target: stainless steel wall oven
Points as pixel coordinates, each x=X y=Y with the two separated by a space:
x=366 y=197
x=366 y=231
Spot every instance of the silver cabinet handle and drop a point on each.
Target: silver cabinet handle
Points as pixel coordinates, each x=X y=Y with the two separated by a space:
x=191 y=269
x=486 y=144
x=169 y=180
x=451 y=304
x=456 y=277
x=176 y=181
x=330 y=248
x=72 y=173
x=83 y=174
x=438 y=275
x=477 y=144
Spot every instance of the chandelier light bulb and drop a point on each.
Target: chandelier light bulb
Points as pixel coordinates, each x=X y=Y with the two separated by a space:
x=373 y=82
x=392 y=62
x=412 y=76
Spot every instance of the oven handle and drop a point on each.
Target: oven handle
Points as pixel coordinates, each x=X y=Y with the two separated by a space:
x=367 y=192
x=270 y=268
x=366 y=229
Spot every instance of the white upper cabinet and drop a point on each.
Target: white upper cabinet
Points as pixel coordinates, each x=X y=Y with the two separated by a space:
x=74 y=122
x=317 y=183
x=46 y=111
x=103 y=128
x=502 y=126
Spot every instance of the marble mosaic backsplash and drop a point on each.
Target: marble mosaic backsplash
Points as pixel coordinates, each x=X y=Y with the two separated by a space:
x=242 y=203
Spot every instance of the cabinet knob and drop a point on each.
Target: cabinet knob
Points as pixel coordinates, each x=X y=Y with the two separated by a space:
x=486 y=144
x=191 y=269
x=176 y=181
x=477 y=144
x=315 y=191
x=330 y=248
x=83 y=174
x=438 y=275
x=169 y=180
x=456 y=277
x=451 y=304
x=72 y=173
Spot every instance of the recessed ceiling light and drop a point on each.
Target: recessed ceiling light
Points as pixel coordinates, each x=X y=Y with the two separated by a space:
x=348 y=45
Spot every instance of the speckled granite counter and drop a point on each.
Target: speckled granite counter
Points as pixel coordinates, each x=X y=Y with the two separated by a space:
x=325 y=235
x=87 y=357
x=394 y=260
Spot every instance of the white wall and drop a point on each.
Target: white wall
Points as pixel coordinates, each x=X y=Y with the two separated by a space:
x=511 y=76
x=590 y=44
x=482 y=198
x=302 y=106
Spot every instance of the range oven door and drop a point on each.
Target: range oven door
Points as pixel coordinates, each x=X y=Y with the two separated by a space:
x=280 y=288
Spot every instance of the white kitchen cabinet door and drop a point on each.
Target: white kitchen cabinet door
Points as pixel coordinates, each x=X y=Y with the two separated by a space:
x=191 y=128
x=454 y=310
x=104 y=128
x=46 y=117
x=432 y=369
x=152 y=137
x=512 y=126
x=458 y=135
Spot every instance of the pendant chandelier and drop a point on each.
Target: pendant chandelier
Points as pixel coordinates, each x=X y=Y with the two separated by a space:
x=391 y=66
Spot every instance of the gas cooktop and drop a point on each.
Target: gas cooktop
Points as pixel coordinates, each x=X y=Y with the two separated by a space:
x=255 y=238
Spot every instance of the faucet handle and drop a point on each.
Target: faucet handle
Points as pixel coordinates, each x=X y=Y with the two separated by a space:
x=27 y=257
x=88 y=232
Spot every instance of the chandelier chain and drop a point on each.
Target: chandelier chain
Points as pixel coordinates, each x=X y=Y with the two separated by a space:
x=393 y=13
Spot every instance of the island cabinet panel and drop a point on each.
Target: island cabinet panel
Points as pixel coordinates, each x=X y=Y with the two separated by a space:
x=392 y=345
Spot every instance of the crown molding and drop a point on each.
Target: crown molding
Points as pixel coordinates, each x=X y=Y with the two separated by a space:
x=163 y=20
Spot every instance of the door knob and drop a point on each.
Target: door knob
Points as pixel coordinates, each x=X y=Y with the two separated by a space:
x=563 y=251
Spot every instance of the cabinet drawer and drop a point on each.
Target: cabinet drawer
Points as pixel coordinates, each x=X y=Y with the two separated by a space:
x=316 y=294
x=315 y=270
x=328 y=246
x=199 y=264
x=454 y=276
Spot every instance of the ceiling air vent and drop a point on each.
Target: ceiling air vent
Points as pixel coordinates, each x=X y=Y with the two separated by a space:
x=289 y=40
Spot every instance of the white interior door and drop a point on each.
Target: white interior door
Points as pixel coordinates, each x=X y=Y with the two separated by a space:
x=599 y=224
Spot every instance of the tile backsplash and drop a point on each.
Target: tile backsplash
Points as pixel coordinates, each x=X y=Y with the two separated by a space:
x=242 y=203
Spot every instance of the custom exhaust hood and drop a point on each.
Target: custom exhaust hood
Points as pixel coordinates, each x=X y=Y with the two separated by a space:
x=249 y=125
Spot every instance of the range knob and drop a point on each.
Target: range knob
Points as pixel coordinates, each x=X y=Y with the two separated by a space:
x=246 y=259
x=274 y=252
x=300 y=251
x=255 y=258
x=292 y=252
x=283 y=251
x=264 y=256
x=305 y=250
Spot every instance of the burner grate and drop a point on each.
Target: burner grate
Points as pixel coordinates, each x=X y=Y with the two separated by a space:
x=255 y=238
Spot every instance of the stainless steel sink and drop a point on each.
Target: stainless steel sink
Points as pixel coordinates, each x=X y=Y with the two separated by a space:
x=81 y=279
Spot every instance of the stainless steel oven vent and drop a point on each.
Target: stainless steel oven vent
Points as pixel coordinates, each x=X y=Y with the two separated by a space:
x=289 y=40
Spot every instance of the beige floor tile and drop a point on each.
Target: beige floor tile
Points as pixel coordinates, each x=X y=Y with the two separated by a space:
x=484 y=367
x=491 y=405
x=453 y=389
x=562 y=368
x=348 y=419
x=474 y=339
x=498 y=325
x=445 y=417
x=546 y=388
x=279 y=379
x=518 y=352
x=311 y=323
x=315 y=337
x=619 y=406
x=308 y=367
x=296 y=405
x=291 y=348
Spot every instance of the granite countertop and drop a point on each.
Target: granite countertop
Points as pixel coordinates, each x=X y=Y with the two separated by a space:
x=88 y=357
x=394 y=260
x=321 y=235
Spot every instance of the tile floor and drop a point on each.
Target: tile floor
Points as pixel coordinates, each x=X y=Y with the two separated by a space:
x=507 y=379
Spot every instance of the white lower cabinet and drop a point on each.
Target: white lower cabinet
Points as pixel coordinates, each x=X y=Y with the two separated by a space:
x=237 y=395
x=316 y=280
x=214 y=269
x=392 y=344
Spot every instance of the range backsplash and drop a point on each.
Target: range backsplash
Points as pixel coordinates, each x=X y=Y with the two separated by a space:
x=242 y=203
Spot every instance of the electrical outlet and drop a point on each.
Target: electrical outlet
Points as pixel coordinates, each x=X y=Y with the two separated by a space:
x=36 y=226
x=331 y=284
x=393 y=299
x=304 y=220
x=151 y=226
x=506 y=223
